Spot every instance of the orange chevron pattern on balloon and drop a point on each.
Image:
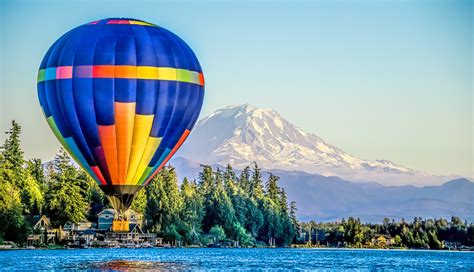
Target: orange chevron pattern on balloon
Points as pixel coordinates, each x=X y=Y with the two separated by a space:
x=121 y=95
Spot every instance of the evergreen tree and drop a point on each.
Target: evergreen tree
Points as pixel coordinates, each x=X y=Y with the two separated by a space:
x=65 y=198
x=172 y=203
x=292 y=215
x=217 y=232
x=13 y=154
x=230 y=181
x=35 y=187
x=206 y=183
x=283 y=202
x=218 y=207
x=97 y=202
x=35 y=169
x=193 y=211
x=11 y=218
x=256 y=184
x=244 y=180
x=272 y=188
x=32 y=196
x=153 y=210
x=14 y=186
x=254 y=217
x=139 y=202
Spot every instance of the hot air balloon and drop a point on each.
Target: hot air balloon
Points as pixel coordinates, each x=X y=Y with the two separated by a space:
x=121 y=95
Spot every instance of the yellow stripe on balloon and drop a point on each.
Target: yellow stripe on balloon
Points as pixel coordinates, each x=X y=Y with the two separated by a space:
x=150 y=149
x=162 y=73
x=141 y=131
x=140 y=23
x=124 y=119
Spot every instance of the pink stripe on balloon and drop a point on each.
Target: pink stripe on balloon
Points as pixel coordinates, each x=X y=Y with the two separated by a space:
x=63 y=72
x=118 y=22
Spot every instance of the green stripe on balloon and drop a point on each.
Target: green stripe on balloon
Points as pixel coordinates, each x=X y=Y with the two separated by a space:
x=145 y=175
x=41 y=75
x=150 y=169
x=69 y=145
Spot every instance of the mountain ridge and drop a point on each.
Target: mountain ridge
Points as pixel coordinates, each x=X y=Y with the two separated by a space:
x=324 y=198
x=241 y=134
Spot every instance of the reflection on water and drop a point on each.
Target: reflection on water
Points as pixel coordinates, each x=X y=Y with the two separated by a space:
x=128 y=265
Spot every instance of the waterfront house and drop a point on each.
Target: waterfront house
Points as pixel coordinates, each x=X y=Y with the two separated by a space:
x=83 y=225
x=135 y=237
x=106 y=218
x=43 y=233
x=35 y=239
x=40 y=222
x=452 y=244
x=85 y=233
x=382 y=240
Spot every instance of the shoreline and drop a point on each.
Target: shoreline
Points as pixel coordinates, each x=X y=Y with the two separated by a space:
x=257 y=248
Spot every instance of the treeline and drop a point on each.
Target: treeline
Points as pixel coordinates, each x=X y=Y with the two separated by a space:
x=419 y=233
x=219 y=205
x=63 y=192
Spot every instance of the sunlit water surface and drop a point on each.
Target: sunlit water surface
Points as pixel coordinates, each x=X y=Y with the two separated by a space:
x=234 y=259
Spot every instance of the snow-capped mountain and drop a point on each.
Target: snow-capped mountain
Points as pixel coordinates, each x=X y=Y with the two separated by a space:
x=242 y=134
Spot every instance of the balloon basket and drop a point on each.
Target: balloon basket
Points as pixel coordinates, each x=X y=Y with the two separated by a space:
x=121 y=225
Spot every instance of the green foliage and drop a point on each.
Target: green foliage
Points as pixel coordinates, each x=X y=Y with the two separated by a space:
x=170 y=233
x=97 y=202
x=217 y=232
x=218 y=201
x=218 y=207
x=244 y=238
x=32 y=195
x=13 y=225
x=256 y=184
x=221 y=205
x=139 y=202
x=11 y=218
x=12 y=154
x=35 y=168
x=193 y=210
x=422 y=234
x=67 y=194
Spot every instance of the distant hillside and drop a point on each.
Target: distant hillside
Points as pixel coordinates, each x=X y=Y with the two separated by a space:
x=331 y=198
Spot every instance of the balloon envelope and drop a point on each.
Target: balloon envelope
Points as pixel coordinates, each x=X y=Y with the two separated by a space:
x=121 y=95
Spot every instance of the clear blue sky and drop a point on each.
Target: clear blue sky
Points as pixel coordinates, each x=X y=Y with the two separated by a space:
x=379 y=79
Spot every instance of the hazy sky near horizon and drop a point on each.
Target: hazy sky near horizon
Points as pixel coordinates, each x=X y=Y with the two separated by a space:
x=379 y=79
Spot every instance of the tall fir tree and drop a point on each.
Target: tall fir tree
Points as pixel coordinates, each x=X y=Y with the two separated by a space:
x=13 y=154
x=256 y=183
x=272 y=188
x=244 y=180
x=218 y=207
x=17 y=185
x=11 y=218
x=65 y=198
x=153 y=210
x=193 y=210
x=139 y=202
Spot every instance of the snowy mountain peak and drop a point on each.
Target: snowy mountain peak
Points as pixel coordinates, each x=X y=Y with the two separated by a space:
x=240 y=134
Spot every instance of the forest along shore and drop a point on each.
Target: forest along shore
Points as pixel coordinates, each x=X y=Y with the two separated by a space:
x=219 y=209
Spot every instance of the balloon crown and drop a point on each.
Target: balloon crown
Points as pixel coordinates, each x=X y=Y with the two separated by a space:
x=120 y=21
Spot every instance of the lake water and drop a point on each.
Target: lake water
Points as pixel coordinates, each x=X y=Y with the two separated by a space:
x=234 y=259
